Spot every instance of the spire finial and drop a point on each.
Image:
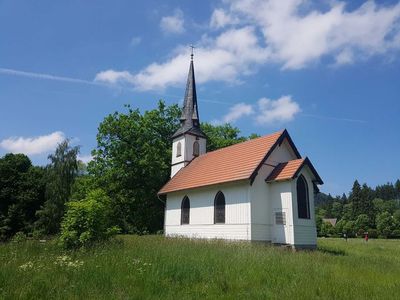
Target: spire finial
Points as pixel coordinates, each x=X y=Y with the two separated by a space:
x=191 y=54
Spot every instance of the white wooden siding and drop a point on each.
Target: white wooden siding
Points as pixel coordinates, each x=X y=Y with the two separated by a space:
x=305 y=232
x=281 y=200
x=260 y=194
x=237 y=213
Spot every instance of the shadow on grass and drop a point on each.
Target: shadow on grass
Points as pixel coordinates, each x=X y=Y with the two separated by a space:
x=335 y=252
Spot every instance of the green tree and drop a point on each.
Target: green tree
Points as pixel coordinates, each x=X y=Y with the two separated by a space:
x=22 y=189
x=132 y=162
x=220 y=136
x=318 y=223
x=87 y=221
x=396 y=218
x=336 y=210
x=355 y=200
x=327 y=229
x=386 y=191
x=347 y=211
x=397 y=188
x=61 y=173
x=349 y=228
x=362 y=223
x=384 y=224
x=339 y=227
x=366 y=205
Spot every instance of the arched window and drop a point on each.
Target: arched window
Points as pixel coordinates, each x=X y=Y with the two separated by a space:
x=196 y=148
x=178 y=149
x=185 y=210
x=303 y=203
x=219 y=208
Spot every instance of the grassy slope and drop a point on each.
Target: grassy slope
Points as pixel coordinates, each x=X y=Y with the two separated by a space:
x=154 y=267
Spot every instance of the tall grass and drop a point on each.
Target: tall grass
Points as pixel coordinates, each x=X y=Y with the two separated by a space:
x=152 y=267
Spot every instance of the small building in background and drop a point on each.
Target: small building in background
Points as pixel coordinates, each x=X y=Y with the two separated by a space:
x=330 y=221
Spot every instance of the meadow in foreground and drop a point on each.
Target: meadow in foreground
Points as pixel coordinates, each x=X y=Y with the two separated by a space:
x=152 y=267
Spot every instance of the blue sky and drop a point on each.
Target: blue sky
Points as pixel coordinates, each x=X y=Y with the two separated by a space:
x=328 y=71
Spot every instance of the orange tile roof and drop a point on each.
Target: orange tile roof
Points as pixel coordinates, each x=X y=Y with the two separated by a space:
x=236 y=162
x=287 y=170
x=290 y=169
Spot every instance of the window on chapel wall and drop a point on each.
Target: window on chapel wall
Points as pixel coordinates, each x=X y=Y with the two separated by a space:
x=303 y=202
x=196 y=148
x=185 y=210
x=219 y=208
x=178 y=149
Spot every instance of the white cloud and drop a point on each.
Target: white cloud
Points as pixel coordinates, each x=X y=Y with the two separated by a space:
x=113 y=77
x=231 y=54
x=238 y=111
x=291 y=33
x=33 y=145
x=265 y=112
x=281 y=110
x=298 y=34
x=173 y=23
x=220 y=19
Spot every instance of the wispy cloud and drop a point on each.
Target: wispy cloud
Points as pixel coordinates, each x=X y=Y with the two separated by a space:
x=45 y=76
x=174 y=23
x=135 y=41
x=33 y=145
x=322 y=117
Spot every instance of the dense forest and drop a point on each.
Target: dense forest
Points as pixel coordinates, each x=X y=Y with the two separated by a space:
x=376 y=211
x=117 y=190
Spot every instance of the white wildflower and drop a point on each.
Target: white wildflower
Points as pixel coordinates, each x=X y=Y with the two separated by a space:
x=26 y=266
x=66 y=261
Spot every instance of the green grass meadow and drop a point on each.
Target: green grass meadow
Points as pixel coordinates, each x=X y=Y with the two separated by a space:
x=154 y=267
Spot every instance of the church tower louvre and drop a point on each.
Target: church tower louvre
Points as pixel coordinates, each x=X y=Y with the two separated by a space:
x=189 y=141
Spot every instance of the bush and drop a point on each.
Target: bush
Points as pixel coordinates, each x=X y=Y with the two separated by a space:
x=19 y=237
x=373 y=233
x=348 y=228
x=395 y=234
x=327 y=229
x=361 y=233
x=87 y=221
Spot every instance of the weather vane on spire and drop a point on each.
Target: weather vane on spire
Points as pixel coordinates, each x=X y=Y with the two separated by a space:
x=192 y=47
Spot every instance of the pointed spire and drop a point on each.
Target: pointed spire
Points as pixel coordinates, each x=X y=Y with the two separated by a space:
x=190 y=114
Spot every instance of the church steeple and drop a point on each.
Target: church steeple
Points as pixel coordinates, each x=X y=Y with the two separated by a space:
x=190 y=115
x=189 y=141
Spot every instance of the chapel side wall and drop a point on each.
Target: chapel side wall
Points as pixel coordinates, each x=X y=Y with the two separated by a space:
x=305 y=231
x=261 y=197
x=281 y=200
x=201 y=225
x=260 y=211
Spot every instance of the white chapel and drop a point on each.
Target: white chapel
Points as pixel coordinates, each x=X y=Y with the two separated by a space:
x=257 y=190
